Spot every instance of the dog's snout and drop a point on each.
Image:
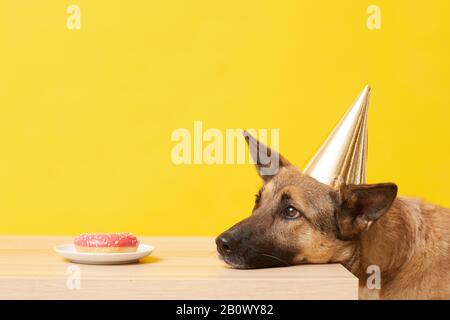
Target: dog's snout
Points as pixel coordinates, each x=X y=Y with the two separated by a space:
x=224 y=244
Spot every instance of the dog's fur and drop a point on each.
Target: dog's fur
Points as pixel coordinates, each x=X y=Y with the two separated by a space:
x=355 y=225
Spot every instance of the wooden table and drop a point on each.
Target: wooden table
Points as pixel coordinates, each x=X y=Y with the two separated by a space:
x=179 y=268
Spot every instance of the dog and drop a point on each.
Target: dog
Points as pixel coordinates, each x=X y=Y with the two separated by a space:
x=298 y=220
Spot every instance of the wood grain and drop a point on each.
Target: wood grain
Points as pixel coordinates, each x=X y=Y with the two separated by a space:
x=179 y=268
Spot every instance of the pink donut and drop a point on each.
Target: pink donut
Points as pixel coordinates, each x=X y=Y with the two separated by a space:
x=106 y=242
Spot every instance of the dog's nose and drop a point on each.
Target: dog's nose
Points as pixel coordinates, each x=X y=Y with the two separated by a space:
x=224 y=244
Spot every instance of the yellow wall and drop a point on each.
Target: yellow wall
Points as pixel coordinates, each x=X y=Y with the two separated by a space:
x=86 y=115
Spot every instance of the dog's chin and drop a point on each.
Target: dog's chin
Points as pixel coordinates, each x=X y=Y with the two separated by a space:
x=234 y=264
x=242 y=263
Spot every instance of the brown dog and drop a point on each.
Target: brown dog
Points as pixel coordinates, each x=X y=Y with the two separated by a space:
x=297 y=220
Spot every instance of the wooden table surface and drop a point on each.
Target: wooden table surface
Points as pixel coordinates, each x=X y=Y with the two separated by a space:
x=179 y=268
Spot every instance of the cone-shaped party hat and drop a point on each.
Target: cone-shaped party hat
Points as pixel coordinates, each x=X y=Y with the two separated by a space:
x=342 y=157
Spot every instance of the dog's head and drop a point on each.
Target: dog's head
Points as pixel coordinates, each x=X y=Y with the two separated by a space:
x=296 y=219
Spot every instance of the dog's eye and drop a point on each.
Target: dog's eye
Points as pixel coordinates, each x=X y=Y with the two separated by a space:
x=291 y=213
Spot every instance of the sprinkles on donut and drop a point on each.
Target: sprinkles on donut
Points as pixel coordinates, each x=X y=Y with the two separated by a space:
x=106 y=242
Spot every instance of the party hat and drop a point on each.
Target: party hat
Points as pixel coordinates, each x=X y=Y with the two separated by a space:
x=342 y=157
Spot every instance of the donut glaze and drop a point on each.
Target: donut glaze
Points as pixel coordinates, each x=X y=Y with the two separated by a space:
x=106 y=242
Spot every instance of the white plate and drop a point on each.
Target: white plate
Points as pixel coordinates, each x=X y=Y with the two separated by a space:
x=69 y=252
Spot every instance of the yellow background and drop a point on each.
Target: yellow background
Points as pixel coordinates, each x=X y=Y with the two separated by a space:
x=86 y=115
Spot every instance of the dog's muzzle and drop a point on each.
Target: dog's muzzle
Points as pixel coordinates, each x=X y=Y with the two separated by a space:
x=230 y=251
x=237 y=248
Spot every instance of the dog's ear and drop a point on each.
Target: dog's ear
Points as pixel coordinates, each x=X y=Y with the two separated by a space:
x=361 y=205
x=267 y=161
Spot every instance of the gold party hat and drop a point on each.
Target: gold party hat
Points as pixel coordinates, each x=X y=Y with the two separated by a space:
x=342 y=157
